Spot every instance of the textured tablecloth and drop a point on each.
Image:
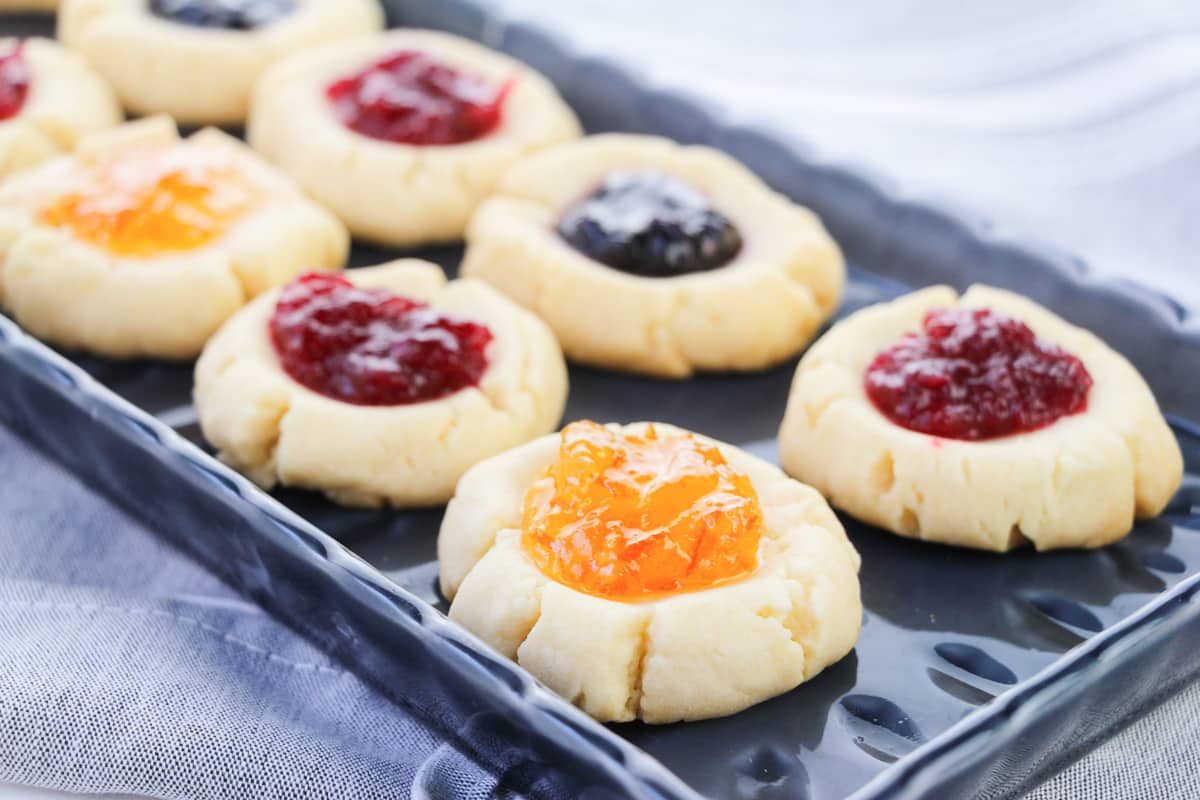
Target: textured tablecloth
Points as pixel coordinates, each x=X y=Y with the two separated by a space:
x=126 y=667
x=1073 y=122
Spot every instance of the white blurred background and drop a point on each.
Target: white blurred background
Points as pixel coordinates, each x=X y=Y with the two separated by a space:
x=1073 y=122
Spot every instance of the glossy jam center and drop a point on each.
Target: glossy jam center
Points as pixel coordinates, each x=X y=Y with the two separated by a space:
x=648 y=223
x=629 y=517
x=976 y=374
x=148 y=203
x=235 y=15
x=371 y=347
x=14 y=82
x=414 y=98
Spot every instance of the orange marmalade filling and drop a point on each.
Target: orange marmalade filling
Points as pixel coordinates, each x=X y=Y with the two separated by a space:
x=626 y=517
x=149 y=202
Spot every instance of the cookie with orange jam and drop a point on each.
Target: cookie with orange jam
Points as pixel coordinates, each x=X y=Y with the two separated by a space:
x=403 y=134
x=143 y=243
x=49 y=98
x=645 y=572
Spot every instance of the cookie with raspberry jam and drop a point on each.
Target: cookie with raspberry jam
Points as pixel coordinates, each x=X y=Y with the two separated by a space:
x=49 y=99
x=403 y=134
x=380 y=385
x=982 y=421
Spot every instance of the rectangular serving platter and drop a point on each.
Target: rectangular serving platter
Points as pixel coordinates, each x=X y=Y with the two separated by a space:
x=976 y=674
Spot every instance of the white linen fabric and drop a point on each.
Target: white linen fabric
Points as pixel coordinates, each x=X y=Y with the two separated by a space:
x=127 y=668
x=1156 y=758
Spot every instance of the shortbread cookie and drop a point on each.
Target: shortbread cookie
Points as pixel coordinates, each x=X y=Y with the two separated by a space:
x=651 y=257
x=643 y=572
x=404 y=133
x=982 y=421
x=402 y=383
x=198 y=60
x=49 y=98
x=142 y=243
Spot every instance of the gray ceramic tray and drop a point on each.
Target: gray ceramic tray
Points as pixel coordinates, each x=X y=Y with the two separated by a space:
x=975 y=674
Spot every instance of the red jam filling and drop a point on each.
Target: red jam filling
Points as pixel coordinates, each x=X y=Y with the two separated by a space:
x=14 y=82
x=414 y=98
x=371 y=347
x=976 y=374
x=628 y=517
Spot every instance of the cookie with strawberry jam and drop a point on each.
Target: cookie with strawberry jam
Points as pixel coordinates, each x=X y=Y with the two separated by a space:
x=379 y=385
x=403 y=134
x=198 y=60
x=143 y=243
x=652 y=257
x=49 y=98
x=645 y=572
x=983 y=421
